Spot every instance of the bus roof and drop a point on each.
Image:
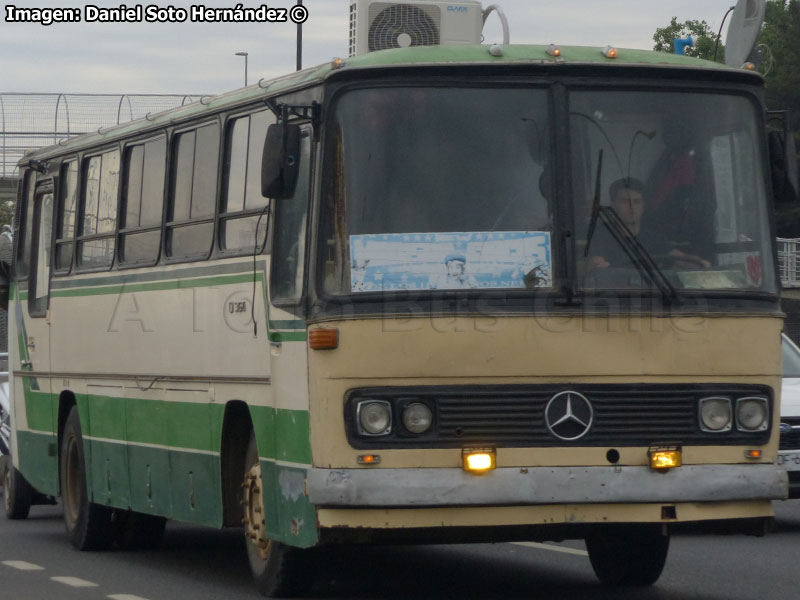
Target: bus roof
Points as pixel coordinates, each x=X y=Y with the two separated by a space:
x=420 y=56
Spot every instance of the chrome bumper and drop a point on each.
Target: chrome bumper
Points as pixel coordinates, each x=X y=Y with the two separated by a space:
x=545 y=485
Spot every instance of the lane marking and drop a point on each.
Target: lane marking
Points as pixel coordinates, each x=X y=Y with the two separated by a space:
x=22 y=565
x=125 y=597
x=563 y=549
x=74 y=582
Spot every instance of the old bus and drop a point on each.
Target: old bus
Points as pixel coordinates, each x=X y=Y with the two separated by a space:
x=429 y=294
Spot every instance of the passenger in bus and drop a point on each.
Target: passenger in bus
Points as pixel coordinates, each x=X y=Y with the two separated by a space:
x=680 y=200
x=628 y=201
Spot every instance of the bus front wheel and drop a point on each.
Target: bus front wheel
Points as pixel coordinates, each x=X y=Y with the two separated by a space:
x=88 y=524
x=628 y=555
x=17 y=494
x=278 y=570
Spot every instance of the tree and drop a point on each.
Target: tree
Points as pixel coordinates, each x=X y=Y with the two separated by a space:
x=781 y=35
x=703 y=36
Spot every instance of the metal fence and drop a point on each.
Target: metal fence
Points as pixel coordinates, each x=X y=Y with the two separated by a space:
x=789 y=262
x=30 y=121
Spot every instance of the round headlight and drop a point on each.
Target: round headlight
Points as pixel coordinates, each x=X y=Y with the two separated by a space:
x=715 y=414
x=375 y=417
x=752 y=414
x=417 y=417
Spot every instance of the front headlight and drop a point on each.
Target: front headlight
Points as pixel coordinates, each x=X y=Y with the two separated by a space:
x=374 y=417
x=417 y=417
x=752 y=414
x=715 y=414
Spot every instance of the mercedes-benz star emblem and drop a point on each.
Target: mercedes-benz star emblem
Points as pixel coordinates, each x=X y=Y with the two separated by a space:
x=568 y=415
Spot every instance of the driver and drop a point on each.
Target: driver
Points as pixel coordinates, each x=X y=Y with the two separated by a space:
x=627 y=200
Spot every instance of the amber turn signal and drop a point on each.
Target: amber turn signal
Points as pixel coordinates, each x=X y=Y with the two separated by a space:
x=478 y=460
x=664 y=457
x=323 y=339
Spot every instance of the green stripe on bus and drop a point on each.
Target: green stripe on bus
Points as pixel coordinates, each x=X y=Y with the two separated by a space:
x=283 y=434
x=38 y=460
x=39 y=408
x=129 y=288
x=125 y=277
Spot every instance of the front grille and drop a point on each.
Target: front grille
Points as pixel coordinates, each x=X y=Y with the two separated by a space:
x=790 y=440
x=513 y=416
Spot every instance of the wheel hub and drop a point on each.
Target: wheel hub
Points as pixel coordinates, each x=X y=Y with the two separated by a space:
x=253 y=503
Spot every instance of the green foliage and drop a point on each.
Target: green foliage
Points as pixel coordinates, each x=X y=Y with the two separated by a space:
x=781 y=35
x=780 y=42
x=703 y=36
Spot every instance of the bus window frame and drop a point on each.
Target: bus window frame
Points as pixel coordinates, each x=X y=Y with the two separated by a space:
x=59 y=216
x=665 y=85
x=170 y=179
x=222 y=216
x=21 y=234
x=306 y=132
x=121 y=233
x=566 y=293
x=79 y=234
x=386 y=299
x=44 y=186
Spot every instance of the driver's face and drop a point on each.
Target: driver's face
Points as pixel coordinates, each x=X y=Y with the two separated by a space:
x=629 y=205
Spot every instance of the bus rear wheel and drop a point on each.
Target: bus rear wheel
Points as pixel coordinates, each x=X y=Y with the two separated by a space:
x=88 y=524
x=628 y=556
x=278 y=570
x=17 y=494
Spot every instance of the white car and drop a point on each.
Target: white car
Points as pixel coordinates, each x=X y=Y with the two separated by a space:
x=789 y=450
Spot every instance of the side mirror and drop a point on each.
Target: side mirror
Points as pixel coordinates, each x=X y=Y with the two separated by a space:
x=280 y=161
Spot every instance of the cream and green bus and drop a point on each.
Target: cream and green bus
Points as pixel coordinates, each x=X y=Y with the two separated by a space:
x=429 y=294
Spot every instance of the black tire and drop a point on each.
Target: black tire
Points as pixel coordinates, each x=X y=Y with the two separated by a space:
x=278 y=570
x=5 y=433
x=17 y=494
x=628 y=556
x=88 y=524
x=138 y=531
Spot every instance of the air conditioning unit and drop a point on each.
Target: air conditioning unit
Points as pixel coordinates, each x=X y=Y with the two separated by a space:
x=376 y=25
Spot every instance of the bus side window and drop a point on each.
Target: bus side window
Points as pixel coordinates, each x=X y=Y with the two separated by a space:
x=39 y=286
x=67 y=208
x=190 y=216
x=243 y=202
x=25 y=227
x=100 y=186
x=143 y=202
x=290 y=233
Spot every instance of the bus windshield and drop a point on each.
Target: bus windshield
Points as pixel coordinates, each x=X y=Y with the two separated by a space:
x=446 y=188
x=682 y=173
x=434 y=188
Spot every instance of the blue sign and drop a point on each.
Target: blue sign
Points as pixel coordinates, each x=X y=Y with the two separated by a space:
x=439 y=261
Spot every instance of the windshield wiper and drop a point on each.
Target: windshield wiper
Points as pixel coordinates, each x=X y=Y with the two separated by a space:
x=639 y=256
x=637 y=253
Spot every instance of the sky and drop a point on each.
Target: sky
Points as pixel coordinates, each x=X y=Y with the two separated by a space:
x=200 y=58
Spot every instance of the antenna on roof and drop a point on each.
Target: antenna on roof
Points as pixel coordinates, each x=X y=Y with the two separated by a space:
x=743 y=31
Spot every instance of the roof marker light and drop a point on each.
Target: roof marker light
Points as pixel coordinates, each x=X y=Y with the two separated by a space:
x=609 y=52
x=496 y=50
x=553 y=50
x=337 y=63
x=749 y=66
